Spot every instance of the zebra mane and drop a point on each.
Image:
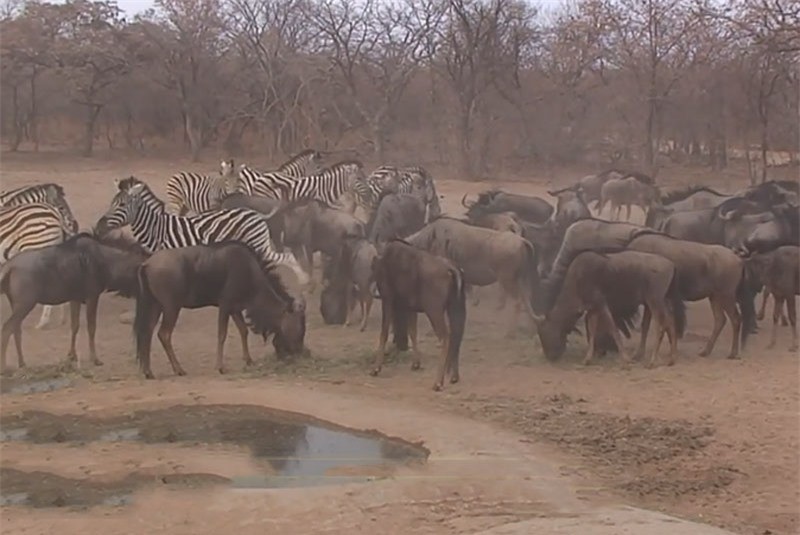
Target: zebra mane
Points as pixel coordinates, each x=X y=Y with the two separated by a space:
x=343 y=163
x=305 y=153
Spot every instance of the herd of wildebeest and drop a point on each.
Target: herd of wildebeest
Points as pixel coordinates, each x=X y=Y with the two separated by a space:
x=218 y=240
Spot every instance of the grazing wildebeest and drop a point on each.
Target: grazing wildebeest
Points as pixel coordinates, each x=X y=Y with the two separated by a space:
x=684 y=200
x=570 y=207
x=710 y=272
x=411 y=281
x=779 y=272
x=485 y=256
x=76 y=271
x=333 y=301
x=228 y=275
x=317 y=227
x=531 y=209
x=397 y=216
x=627 y=192
x=354 y=264
x=609 y=288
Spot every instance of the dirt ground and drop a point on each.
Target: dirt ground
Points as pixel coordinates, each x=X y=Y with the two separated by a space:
x=709 y=439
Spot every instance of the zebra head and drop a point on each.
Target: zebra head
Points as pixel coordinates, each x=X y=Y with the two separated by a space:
x=422 y=185
x=226 y=168
x=54 y=195
x=124 y=206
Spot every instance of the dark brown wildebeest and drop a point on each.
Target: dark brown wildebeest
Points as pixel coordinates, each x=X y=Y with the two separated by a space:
x=609 y=288
x=397 y=216
x=227 y=275
x=504 y=221
x=710 y=272
x=779 y=272
x=526 y=208
x=683 y=200
x=485 y=256
x=411 y=281
x=76 y=271
x=570 y=207
x=354 y=265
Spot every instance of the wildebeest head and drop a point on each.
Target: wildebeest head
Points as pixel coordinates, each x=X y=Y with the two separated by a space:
x=290 y=337
x=552 y=337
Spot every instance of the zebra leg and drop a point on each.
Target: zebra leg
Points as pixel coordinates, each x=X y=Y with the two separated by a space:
x=44 y=320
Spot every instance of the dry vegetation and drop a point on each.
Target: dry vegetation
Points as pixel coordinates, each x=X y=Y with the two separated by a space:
x=480 y=86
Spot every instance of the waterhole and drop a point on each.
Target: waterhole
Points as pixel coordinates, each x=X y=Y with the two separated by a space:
x=298 y=450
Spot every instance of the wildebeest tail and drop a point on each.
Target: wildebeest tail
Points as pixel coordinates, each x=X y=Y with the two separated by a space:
x=141 y=327
x=745 y=297
x=677 y=306
x=456 y=315
x=528 y=277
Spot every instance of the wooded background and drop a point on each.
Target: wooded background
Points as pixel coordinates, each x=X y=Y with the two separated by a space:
x=477 y=84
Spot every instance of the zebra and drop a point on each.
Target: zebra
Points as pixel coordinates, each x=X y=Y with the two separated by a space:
x=273 y=183
x=52 y=194
x=192 y=192
x=154 y=228
x=344 y=179
x=32 y=226
x=409 y=180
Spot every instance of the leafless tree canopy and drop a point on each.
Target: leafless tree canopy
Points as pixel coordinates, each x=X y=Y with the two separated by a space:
x=478 y=84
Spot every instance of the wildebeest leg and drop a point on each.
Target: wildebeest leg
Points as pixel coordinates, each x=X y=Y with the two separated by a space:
x=762 y=311
x=605 y=315
x=222 y=335
x=659 y=324
x=646 y=316
x=442 y=331
x=591 y=335
x=238 y=320
x=91 y=327
x=44 y=319
x=14 y=325
x=366 y=306
x=412 y=333
x=475 y=298
x=75 y=325
x=776 y=316
x=386 y=322
x=732 y=311
x=719 y=323
x=790 y=303
x=168 y=321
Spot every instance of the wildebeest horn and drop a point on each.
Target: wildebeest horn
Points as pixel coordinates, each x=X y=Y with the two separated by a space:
x=464 y=202
x=554 y=193
x=538 y=318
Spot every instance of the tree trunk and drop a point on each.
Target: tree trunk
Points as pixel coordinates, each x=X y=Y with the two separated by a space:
x=195 y=144
x=378 y=138
x=34 y=116
x=465 y=140
x=92 y=112
x=15 y=143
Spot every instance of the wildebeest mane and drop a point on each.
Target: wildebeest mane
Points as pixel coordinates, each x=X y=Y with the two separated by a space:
x=681 y=194
x=638 y=175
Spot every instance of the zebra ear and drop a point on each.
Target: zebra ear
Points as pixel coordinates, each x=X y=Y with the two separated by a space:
x=116 y=183
x=136 y=189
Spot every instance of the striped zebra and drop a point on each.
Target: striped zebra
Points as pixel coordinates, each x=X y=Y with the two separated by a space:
x=273 y=184
x=195 y=193
x=52 y=194
x=32 y=226
x=154 y=228
x=414 y=180
x=343 y=181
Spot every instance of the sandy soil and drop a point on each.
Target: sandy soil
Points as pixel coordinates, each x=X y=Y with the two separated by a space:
x=708 y=439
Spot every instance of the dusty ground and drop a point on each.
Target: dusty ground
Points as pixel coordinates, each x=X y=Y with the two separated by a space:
x=708 y=439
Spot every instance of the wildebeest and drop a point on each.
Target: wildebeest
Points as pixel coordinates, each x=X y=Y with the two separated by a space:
x=397 y=216
x=626 y=192
x=76 y=271
x=611 y=287
x=773 y=192
x=317 y=227
x=710 y=272
x=782 y=229
x=228 y=275
x=779 y=272
x=411 y=281
x=684 y=200
x=531 y=209
x=504 y=221
x=354 y=265
x=485 y=256
x=570 y=207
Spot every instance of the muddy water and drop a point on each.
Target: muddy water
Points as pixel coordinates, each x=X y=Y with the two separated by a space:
x=298 y=450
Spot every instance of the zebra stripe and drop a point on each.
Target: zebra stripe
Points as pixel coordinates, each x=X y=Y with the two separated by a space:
x=155 y=229
x=50 y=193
x=301 y=164
x=266 y=184
x=196 y=193
x=30 y=226
x=329 y=185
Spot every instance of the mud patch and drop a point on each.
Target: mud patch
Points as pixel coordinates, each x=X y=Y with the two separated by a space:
x=297 y=449
x=643 y=456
